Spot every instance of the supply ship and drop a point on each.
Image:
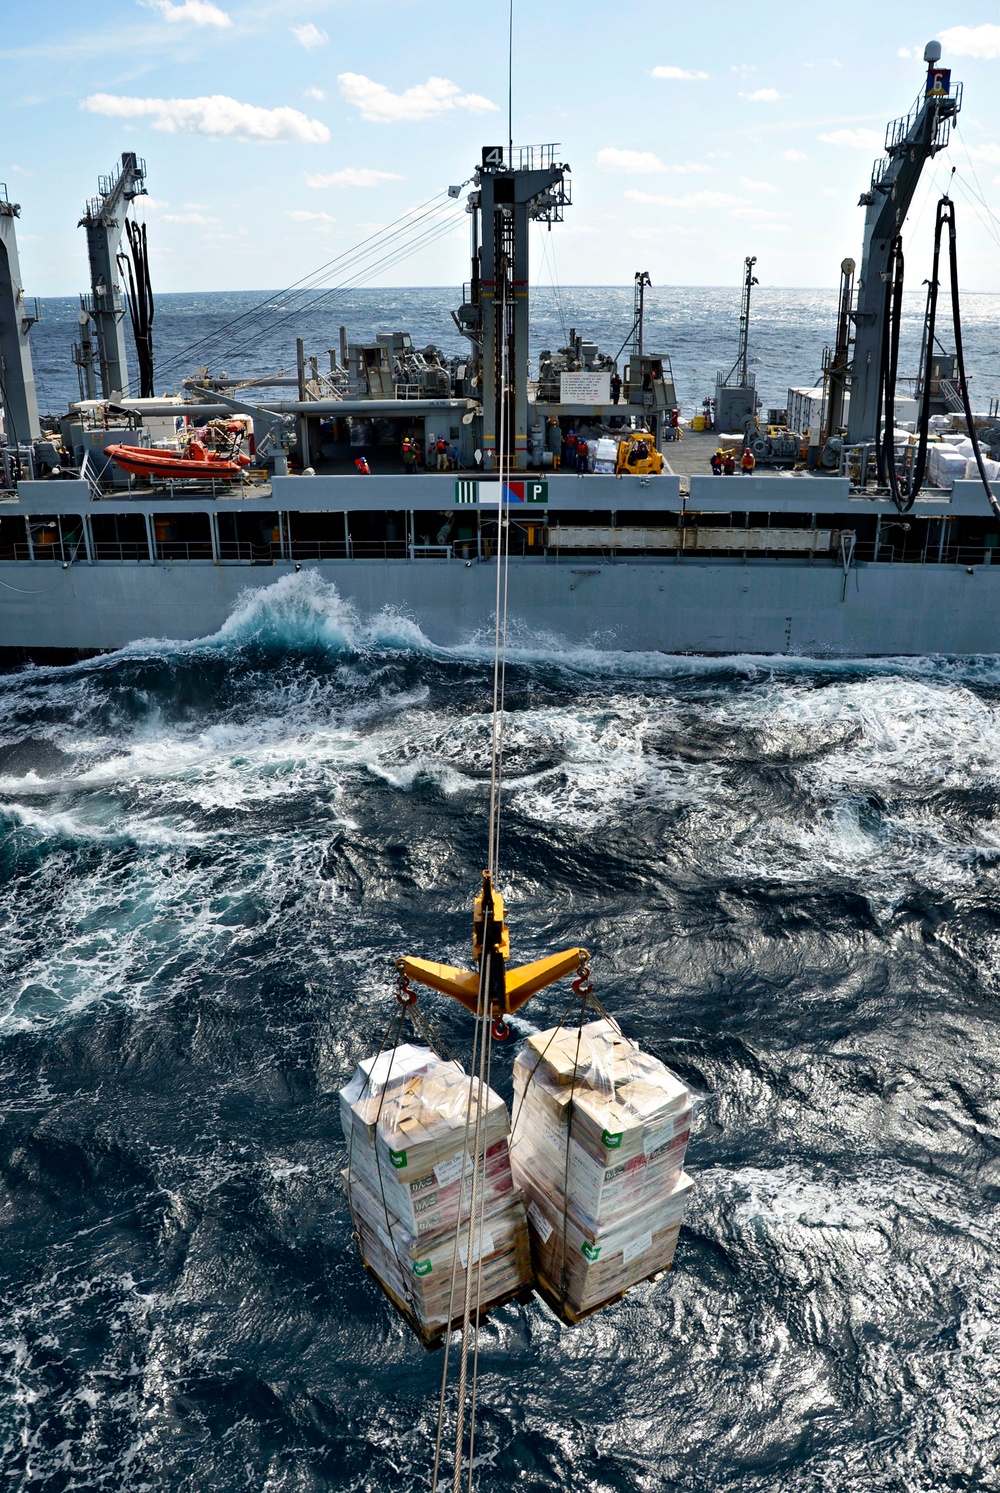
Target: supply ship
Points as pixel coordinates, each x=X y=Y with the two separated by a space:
x=390 y=475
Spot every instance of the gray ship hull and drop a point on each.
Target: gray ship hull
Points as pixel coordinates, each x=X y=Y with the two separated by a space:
x=675 y=606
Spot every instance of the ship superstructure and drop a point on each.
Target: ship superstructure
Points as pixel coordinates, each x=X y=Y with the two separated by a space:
x=817 y=562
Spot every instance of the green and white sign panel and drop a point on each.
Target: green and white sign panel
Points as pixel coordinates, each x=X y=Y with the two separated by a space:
x=521 y=490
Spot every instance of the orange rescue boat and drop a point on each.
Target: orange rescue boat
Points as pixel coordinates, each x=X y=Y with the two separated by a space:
x=144 y=461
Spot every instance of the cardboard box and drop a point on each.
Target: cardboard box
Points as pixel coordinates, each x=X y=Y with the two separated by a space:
x=415 y=1112
x=601 y=1264
x=418 y=1272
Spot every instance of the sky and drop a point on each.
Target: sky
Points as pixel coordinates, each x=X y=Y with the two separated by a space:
x=277 y=137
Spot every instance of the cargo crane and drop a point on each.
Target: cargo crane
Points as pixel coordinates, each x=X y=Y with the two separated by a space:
x=736 y=393
x=104 y=220
x=515 y=187
x=17 y=380
x=909 y=143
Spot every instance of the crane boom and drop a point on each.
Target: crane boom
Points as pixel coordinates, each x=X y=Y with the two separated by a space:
x=909 y=143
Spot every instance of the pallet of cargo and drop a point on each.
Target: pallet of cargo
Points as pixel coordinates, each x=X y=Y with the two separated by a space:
x=433 y=1340
x=562 y=1309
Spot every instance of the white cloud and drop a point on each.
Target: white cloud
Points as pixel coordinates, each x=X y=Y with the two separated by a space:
x=636 y=162
x=316 y=93
x=988 y=153
x=217 y=116
x=300 y=216
x=423 y=101
x=351 y=176
x=756 y=186
x=309 y=36
x=197 y=218
x=763 y=96
x=680 y=73
x=687 y=199
x=859 y=139
x=796 y=155
x=758 y=214
x=972 y=41
x=196 y=12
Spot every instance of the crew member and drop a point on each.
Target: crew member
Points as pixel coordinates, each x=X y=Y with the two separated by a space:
x=747 y=462
x=363 y=469
x=616 y=387
x=582 y=456
x=409 y=456
x=569 y=451
x=716 y=461
x=729 y=464
x=441 y=454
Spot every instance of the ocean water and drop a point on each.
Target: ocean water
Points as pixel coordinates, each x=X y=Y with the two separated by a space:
x=697 y=327
x=788 y=874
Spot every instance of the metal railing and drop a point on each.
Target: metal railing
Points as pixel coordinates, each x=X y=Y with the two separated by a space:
x=246 y=552
x=119 y=549
x=181 y=549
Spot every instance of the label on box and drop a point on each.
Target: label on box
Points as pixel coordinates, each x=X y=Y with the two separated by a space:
x=483 y=1246
x=654 y=1139
x=637 y=1247
x=398 y=1158
x=542 y=1226
x=422 y=1267
x=449 y=1171
x=590 y=1251
x=612 y=1139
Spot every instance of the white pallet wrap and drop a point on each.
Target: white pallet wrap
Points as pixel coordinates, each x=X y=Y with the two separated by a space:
x=409 y=1121
x=600 y=1135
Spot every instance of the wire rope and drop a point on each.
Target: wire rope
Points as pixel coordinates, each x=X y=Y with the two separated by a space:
x=361 y=267
x=185 y=352
x=479 y=1079
x=401 y=253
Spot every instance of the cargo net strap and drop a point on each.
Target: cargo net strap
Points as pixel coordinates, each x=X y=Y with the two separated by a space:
x=392 y=1035
x=583 y=993
x=405 y=1010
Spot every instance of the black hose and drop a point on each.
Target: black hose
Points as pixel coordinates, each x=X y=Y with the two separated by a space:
x=904 y=492
x=949 y=215
x=140 y=300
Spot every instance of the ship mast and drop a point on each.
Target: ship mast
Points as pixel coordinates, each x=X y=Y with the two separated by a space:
x=909 y=143
x=17 y=380
x=104 y=220
x=516 y=186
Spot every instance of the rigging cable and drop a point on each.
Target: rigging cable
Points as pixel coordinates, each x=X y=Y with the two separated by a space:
x=482 y=1038
x=401 y=252
x=307 y=283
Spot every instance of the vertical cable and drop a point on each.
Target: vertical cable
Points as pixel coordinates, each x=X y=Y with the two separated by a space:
x=510 y=82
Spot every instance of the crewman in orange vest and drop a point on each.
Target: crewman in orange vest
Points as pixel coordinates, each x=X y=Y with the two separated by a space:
x=747 y=462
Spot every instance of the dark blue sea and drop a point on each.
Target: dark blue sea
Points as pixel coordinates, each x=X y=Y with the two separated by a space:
x=252 y=334
x=788 y=872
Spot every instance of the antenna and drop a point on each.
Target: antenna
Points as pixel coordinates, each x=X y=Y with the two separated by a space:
x=510 y=80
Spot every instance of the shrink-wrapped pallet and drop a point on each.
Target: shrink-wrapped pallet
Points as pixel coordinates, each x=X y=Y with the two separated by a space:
x=417 y=1272
x=600 y=1134
x=409 y=1119
x=601 y=1263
